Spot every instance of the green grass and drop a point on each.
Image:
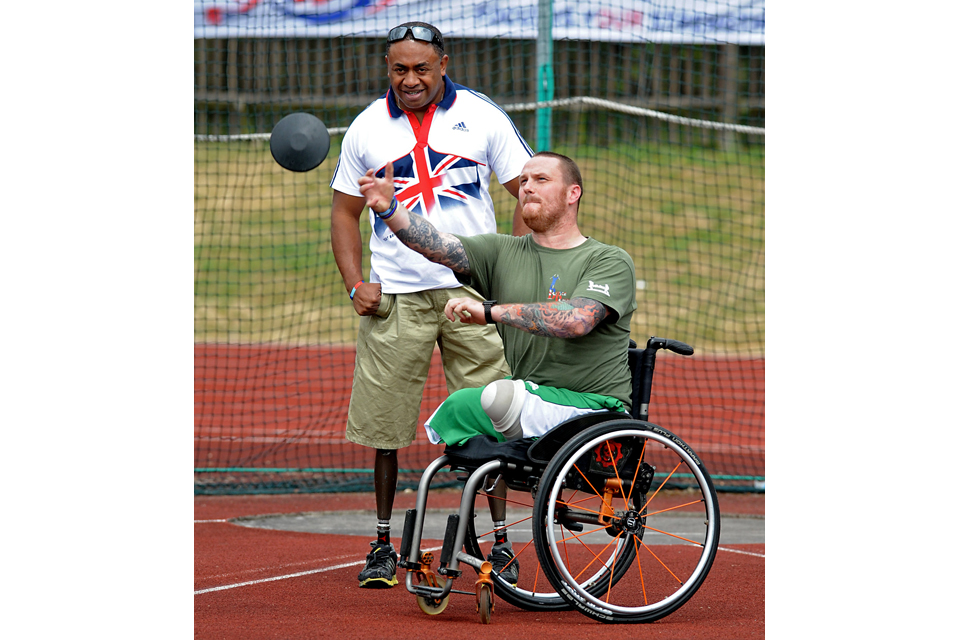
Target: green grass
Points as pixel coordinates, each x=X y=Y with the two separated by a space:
x=691 y=217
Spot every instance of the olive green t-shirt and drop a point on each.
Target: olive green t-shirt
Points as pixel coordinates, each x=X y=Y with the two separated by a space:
x=518 y=270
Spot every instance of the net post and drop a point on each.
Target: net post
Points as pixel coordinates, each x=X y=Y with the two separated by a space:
x=544 y=72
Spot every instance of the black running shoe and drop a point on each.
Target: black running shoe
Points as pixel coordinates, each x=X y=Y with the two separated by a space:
x=505 y=564
x=381 y=569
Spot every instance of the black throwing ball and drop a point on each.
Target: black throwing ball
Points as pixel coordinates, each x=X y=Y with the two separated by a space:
x=299 y=142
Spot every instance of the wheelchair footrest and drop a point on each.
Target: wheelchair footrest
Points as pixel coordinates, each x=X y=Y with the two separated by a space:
x=409 y=522
x=446 y=553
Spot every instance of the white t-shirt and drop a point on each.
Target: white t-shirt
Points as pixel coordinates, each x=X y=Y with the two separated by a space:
x=441 y=169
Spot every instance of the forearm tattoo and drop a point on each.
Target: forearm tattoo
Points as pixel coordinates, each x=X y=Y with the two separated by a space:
x=443 y=248
x=563 y=319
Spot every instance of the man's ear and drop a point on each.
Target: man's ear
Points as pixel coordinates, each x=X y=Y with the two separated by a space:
x=574 y=193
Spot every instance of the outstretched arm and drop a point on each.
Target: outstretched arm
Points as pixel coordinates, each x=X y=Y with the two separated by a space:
x=562 y=319
x=414 y=231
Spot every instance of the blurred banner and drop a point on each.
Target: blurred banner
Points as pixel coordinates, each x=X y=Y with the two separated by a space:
x=667 y=21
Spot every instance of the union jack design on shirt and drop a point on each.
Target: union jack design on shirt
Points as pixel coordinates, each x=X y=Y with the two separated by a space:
x=425 y=181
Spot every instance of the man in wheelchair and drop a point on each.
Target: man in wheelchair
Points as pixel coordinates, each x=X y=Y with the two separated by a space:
x=562 y=303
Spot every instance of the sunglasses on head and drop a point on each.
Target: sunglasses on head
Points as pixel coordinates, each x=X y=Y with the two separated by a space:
x=419 y=33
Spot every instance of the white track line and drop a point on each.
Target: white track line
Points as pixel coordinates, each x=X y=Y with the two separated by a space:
x=289 y=575
x=746 y=553
x=208 y=521
x=359 y=562
x=287 y=566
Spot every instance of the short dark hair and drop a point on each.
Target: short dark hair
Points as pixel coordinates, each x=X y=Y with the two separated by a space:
x=436 y=42
x=569 y=168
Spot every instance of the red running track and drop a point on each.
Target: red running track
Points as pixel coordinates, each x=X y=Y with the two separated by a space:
x=257 y=583
x=279 y=406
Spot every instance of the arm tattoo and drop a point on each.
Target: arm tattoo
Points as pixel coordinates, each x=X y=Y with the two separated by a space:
x=563 y=319
x=442 y=248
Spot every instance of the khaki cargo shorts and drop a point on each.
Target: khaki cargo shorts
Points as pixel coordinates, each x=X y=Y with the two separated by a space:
x=394 y=348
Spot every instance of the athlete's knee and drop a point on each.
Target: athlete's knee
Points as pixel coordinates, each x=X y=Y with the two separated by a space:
x=503 y=402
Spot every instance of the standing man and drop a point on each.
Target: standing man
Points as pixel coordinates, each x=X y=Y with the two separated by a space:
x=442 y=141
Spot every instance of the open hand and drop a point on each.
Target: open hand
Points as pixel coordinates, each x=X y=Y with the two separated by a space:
x=378 y=191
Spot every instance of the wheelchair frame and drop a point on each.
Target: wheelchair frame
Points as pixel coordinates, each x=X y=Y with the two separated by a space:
x=607 y=461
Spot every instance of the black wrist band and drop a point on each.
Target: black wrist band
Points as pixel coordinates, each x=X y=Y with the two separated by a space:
x=487 y=306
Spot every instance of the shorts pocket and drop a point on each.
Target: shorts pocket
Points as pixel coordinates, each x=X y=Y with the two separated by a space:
x=387 y=300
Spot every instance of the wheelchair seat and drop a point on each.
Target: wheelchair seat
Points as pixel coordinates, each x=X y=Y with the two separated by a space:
x=479 y=449
x=524 y=452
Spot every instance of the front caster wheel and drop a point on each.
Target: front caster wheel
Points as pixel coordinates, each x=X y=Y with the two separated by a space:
x=433 y=606
x=485 y=602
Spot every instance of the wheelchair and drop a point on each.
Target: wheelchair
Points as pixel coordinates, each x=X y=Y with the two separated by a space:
x=623 y=516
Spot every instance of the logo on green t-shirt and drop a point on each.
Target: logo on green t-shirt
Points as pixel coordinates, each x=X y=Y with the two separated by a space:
x=552 y=293
x=599 y=288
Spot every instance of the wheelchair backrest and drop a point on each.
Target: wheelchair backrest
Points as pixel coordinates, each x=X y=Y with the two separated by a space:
x=642 y=363
x=634 y=360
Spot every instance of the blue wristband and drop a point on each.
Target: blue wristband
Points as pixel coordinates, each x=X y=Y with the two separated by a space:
x=354 y=290
x=389 y=212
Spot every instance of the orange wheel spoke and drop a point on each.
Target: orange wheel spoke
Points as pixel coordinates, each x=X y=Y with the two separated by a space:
x=599 y=494
x=576 y=536
x=528 y=505
x=517 y=554
x=571 y=503
x=610 y=569
x=663 y=482
x=506 y=526
x=647 y=547
x=595 y=556
x=523 y=548
x=673 y=535
x=643 y=586
x=679 y=506
x=584 y=509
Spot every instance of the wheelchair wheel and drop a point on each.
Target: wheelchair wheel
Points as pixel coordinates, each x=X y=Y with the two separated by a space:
x=637 y=487
x=534 y=591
